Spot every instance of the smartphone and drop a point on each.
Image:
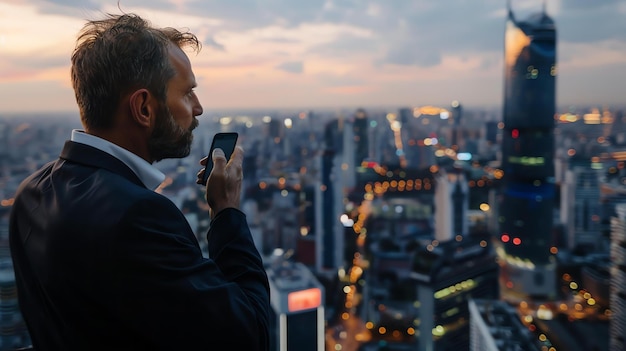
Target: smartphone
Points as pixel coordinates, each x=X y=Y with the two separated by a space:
x=224 y=141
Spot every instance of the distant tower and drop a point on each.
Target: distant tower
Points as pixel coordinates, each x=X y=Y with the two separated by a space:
x=580 y=207
x=361 y=142
x=457 y=114
x=526 y=217
x=405 y=114
x=617 y=303
x=329 y=245
x=451 y=205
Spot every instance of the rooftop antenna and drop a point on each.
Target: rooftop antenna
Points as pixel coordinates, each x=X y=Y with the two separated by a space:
x=544 y=7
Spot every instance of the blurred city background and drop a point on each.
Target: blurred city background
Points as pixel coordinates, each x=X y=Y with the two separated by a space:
x=424 y=225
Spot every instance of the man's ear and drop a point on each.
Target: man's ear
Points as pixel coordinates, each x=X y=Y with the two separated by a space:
x=143 y=107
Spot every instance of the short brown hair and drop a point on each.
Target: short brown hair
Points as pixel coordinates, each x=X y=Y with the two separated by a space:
x=117 y=55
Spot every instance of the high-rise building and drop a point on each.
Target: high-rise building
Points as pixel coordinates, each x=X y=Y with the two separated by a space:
x=495 y=326
x=360 y=127
x=457 y=114
x=618 y=280
x=451 y=205
x=580 y=207
x=328 y=196
x=527 y=202
x=447 y=276
x=491 y=132
x=297 y=314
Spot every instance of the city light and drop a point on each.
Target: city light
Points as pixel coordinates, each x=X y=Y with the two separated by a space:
x=439 y=331
x=464 y=156
x=288 y=123
x=346 y=221
x=7 y=202
x=455 y=289
x=304 y=299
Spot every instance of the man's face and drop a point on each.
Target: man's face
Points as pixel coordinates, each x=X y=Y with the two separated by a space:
x=169 y=139
x=176 y=118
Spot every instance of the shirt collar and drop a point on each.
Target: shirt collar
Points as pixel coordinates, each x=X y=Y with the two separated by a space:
x=149 y=175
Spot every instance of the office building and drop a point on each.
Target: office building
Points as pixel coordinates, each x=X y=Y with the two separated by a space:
x=496 y=326
x=451 y=205
x=360 y=128
x=297 y=313
x=447 y=276
x=580 y=207
x=617 y=331
x=491 y=132
x=457 y=114
x=329 y=195
x=527 y=202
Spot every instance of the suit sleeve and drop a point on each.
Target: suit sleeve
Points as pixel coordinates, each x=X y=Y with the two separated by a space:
x=175 y=299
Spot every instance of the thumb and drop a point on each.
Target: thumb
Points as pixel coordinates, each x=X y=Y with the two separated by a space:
x=219 y=160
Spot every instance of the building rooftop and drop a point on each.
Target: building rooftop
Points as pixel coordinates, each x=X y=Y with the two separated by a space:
x=503 y=324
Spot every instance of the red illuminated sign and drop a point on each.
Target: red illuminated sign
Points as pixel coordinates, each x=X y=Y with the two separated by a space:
x=304 y=299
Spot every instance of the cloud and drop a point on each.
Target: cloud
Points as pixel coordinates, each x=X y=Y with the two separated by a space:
x=81 y=9
x=279 y=40
x=34 y=60
x=291 y=67
x=246 y=14
x=328 y=79
x=211 y=42
x=346 y=45
x=406 y=55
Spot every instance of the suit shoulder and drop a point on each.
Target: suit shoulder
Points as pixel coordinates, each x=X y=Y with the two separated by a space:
x=35 y=178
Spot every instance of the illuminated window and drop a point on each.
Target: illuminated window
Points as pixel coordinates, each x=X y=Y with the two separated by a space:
x=304 y=299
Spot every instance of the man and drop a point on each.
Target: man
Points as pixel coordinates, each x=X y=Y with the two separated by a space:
x=103 y=262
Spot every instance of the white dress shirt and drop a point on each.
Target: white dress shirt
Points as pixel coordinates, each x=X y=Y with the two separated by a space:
x=149 y=175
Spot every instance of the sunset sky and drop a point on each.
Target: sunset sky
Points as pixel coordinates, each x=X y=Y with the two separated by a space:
x=325 y=53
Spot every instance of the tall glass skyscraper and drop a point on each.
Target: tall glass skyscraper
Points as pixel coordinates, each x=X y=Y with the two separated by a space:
x=527 y=201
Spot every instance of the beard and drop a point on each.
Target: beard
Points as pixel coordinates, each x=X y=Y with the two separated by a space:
x=168 y=139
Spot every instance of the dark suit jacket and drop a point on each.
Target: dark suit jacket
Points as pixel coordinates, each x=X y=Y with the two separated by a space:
x=102 y=263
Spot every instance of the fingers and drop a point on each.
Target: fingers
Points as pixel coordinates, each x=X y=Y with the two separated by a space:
x=232 y=167
x=200 y=174
x=219 y=160
x=236 y=161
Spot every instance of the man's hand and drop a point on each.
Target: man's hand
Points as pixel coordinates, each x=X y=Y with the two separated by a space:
x=223 y=188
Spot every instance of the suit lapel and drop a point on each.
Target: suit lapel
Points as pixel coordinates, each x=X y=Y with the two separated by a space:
x=93 y=157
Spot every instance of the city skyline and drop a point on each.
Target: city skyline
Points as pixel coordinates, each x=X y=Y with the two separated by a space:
x=324 y=53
